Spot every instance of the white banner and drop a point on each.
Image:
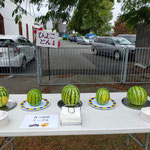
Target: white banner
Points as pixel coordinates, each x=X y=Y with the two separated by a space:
x=47 y=39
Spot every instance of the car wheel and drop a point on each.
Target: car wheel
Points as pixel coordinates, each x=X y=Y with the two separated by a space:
x=117 y=55
x=95 y=52
x=24 y=65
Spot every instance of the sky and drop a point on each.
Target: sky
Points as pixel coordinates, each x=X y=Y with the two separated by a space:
x=116 y=11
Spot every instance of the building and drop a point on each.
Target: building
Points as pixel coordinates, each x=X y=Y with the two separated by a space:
x=8 y=26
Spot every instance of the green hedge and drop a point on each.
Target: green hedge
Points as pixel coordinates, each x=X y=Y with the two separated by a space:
x=65 y=38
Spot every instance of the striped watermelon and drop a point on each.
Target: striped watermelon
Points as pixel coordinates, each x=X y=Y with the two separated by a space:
x=4 y=96
x=137 y=95
x=102 y=96
x=34 y=97
x=70 y=95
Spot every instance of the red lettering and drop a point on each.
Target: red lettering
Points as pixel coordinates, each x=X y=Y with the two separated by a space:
x=47 y=42
x=42 y=41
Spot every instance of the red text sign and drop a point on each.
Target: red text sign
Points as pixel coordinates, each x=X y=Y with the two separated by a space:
x=47 y=39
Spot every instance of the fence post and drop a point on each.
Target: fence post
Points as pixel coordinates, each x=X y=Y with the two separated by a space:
x=49 y=69
x=125 y=65
x=38 y=65
x=9 y=59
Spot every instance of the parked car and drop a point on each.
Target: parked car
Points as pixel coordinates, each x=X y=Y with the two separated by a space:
x=16 y=51
x=129 y=37
x=72 y=38
x=83 y=40
x=114 y=46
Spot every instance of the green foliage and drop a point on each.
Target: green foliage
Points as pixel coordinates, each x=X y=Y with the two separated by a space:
x=60 y=9
x=135 y=12
x=92 y=16
x=65 y=38
x=103 y=34
x=2 y=4
x=122 y=28
x=56 y=9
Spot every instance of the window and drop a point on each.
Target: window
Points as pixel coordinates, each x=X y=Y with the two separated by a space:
x=2 y=29
x=6 y=42
x=101 y=40
x=20 y=27
x=122 y=41
x=109 y=41
x=23 y=40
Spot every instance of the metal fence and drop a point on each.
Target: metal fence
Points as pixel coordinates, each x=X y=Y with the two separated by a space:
x=138 y=70
x=17 y=59
x=80 y=65
x=76 y=65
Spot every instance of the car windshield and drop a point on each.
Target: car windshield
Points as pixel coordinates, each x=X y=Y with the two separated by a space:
x=132 y=40
x=122 y=41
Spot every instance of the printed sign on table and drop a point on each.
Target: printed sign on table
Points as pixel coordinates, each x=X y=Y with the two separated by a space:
x=40 y=121
x=47 y=39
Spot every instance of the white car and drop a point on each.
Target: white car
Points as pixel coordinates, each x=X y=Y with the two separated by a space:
x=83 y=40
x=16 y=51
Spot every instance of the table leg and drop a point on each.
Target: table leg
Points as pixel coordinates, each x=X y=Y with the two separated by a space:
x=9 y=141
x=128 y=139
x=137 y=139
x=146 y=141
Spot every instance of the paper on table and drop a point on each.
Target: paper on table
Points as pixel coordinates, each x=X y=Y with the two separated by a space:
x=40 y=121
x=70 y=116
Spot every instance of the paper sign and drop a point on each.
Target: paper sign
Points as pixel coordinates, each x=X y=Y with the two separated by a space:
x=40 y=121
x=47 y=39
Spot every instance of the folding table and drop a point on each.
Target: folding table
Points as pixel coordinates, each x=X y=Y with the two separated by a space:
x=120 y=120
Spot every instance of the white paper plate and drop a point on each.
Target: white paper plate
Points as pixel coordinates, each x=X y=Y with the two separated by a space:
x=145 y=114
x=3 y=118
x=3 y=115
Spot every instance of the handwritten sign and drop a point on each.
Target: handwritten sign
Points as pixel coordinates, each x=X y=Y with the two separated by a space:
x=40 y=121
x=47 y=39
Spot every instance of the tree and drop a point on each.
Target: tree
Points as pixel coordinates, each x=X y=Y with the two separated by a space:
x=121 y=28
x=135 y=12
x=57 y=9
x=92 y=16
x=77 y=21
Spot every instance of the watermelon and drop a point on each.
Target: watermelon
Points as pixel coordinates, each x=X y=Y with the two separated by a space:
x=137 y=95
x=102 y=96
x=4 y=96
x=34 y=97
x=70 y=95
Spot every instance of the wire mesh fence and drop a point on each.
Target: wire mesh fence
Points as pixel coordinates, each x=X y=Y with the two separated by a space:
x=76 y=65
x=79 y=65
x=138 y=70
x=17 y=59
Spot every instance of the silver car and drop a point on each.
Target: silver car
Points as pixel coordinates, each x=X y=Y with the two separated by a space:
x=83 y=40
x=114 y=46
x=129 y=37
x=16 y=51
